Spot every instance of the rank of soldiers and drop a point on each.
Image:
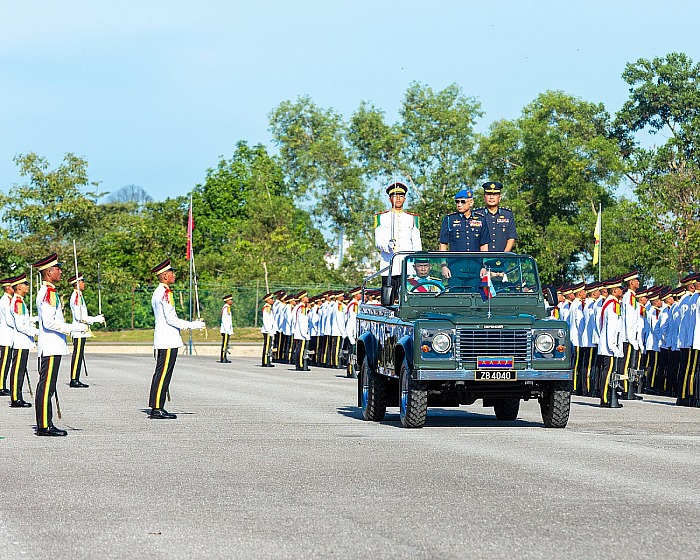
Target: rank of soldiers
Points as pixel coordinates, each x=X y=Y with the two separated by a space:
x=628 y=340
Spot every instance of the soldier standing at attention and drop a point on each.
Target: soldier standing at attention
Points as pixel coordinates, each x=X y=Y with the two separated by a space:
x=226 y=329
x=301 y=332
x=351 y=327
x=395 y=230
x=52 y=342
x=23 y=340
x=6 y=334
x=609 y=344
x=166 y=338
x=268 y=330
x=79 y=312
x=500 y=221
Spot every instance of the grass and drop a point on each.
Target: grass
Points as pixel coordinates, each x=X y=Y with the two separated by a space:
x=145 y=336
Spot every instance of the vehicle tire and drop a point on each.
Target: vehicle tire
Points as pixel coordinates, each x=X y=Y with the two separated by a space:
x=555 y=405
x=507 y=409
x=373 y=396
x=413 y=399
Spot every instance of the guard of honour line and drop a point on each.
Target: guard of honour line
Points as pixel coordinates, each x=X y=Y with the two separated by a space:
x=626 y=340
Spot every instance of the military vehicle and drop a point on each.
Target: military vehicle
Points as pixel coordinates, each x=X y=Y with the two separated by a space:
x=462 y=327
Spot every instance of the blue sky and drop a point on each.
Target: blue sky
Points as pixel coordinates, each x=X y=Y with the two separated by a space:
x=153 y=92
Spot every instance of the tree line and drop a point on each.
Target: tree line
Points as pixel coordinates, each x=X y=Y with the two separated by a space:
x=264 y=215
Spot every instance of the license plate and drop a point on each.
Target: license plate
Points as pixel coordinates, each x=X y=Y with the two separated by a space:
x=496 y=375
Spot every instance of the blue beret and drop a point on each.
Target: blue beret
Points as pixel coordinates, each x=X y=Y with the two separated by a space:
x=465 y=193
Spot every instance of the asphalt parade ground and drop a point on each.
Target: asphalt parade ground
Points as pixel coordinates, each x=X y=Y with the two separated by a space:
x=275 y=463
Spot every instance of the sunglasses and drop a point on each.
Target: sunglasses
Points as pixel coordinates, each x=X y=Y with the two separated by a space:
x=463 y=201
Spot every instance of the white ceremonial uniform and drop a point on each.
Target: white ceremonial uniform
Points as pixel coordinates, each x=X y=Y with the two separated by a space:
x=337 y=319
x=589 y=333
x=403 y=228
x=575 y=320
x=79 y=313
x=226 y=320
x=268 y=320
x=674 y=326
x=24 y=330
x=301 y=322
x=653 y=340
x=351 y=321
x=610 y=343
x=688 y=309
x=52 y=325
x=7 y=331
x=630 y=318
x=166 y=333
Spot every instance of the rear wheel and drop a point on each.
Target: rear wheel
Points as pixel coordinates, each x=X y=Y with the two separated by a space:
x=373 y=396
x=507 y=409
x=555 y=404
x=413 y=405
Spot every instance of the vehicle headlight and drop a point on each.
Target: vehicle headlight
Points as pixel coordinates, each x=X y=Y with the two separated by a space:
x=441 y=343
x=544 y=343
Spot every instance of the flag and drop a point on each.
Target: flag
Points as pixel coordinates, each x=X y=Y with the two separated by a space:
x=486 y=286
x=190 y=228
x=596 y=235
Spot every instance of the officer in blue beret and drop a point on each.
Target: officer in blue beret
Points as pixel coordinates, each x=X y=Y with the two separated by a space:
x=463 y=230
x=501 y=221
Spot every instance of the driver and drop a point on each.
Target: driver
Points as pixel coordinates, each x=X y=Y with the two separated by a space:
x=422 y=281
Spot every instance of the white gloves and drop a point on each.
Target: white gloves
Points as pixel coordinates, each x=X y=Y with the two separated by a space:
x=96 y=319
x=392 y=245
x=198 y=325
x=75 y=327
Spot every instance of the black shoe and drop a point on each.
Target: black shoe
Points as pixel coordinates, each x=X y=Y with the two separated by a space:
x=51 y=431
x=20 y=404
x=77 y=383
x=161 y=414
x=5 y=392
x=623 y=397
x=268 y=365
x=227 y=361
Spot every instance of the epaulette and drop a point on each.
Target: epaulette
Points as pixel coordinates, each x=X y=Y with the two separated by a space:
x=416 y=219
x=506 y=209
x=377 y=219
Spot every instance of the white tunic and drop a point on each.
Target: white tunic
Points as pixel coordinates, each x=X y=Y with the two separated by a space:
x=351 y=321
x=610 y=343
x=226 y=320
x=268 y=320
x=52 y=325
x=80 y=313
x=24 y=330
x=301 y=322
x=167 y=330
x=7 y=331
x=403 y=228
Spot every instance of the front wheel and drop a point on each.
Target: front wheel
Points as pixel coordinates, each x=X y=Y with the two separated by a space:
x=373 y=393
x=413 y=406
x=555 y=404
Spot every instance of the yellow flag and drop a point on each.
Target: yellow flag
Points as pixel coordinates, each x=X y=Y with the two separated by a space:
x=596 y=235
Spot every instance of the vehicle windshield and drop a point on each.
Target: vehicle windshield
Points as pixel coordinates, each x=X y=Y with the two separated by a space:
x=486 y=274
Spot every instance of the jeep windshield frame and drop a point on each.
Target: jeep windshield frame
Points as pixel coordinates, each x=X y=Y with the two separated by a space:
x=486 y=275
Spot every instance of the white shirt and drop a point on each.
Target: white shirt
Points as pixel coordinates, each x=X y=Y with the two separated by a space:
x=24 y=330
x=268 y=320
x=167 y=330
x=52 y=325
x=7 y=331
x=80 y=313
x=403 y=228
x=226 y=320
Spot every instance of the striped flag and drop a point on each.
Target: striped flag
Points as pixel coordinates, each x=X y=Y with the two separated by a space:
x=486 y=286
x=596 y=235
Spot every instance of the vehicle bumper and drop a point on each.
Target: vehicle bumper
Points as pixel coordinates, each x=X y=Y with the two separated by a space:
x=469 y=375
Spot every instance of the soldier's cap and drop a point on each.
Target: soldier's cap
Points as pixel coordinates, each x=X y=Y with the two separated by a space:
x=268 y=296
x=6 y=282
x=689 y=279
x=612 y=283
x=74 y=280
x=665 y=292
x=592 y=287
x=162 y=267
x=340 y=294
x=642 y=293
x=656 y=294
x=578 y=287
x=465 y=193
x=421 y=260
x=492 y=187
x=396 y=188
x=629 y=276
x=565 y=290
x=227 y=297
x=47 y=262
x=354 y=291
x=496 y=265
x=676 y=292
x=21 y=279
x=302 y=294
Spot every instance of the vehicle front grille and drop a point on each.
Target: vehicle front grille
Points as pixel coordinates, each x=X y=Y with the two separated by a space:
x=472 y=344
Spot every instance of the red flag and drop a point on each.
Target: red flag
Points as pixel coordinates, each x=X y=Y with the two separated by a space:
x=190 y=228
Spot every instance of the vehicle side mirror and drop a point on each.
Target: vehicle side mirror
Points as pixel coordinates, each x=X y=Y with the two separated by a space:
x=550 y=295
x=387 y=296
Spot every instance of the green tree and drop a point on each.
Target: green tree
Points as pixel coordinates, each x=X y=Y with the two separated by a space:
x=665 y=102
x=555 y=161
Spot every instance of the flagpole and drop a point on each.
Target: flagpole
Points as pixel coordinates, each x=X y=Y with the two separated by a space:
x=189 y=259
x=600 y=242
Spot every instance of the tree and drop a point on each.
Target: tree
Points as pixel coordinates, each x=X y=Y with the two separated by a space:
x=665 y=101
x=130 y=193
x=554 y=161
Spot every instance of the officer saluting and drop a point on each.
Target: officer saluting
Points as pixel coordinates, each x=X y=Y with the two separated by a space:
x=500 y=221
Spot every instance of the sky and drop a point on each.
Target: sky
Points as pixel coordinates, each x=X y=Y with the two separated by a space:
x=153 y=93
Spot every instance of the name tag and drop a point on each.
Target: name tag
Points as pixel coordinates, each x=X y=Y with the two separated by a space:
x=503 y=220
x=475 y=223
